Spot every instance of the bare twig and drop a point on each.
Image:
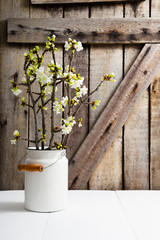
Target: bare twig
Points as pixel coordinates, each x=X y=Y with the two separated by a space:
x=28 y=140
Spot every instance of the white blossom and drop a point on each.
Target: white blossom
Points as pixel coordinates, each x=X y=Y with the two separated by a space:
x=71 y=120
x=68 y=125
x=78 y=46
x=78 y=94
x=48 y=89
x=70 y=75
x=13 y=141
x=79 y=124
x=42 y=76
x=84 y=90
x=64 y=101
x=73 y=44
x=77 y=83
x=73 y=80
x=67 y=46
x=16 y=133
x=66 y=129
x=24 y=80
x=57 y=107
x=16 y=91
x=81 y=91
x=48 y=72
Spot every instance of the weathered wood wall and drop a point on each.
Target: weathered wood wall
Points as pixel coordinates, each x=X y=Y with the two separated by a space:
x=132 y=162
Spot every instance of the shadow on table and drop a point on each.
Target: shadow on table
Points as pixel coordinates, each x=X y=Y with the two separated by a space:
x=12 y=207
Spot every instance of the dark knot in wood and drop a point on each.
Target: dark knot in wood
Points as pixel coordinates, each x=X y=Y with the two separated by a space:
x=74 y=182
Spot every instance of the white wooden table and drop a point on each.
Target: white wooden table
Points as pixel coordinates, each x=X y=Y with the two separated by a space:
x=91 y=215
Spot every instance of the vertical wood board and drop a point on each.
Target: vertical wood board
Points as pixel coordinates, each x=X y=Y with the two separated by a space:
x=155 y=118
x=106 y=59
x=12 y=117
x=80 y=63
x=136 y=135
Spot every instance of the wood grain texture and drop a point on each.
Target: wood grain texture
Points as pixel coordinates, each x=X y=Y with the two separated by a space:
x=114 y=116
x=79 y=1
x=155 y=118
x=105 y=59
x=136 y=134
x=86 y=30
x=12 y=116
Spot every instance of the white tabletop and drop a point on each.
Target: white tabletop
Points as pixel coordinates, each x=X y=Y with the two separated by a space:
x=91 y=215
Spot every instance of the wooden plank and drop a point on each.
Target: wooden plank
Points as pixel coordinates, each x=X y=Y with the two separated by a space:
x=81 y=66
x=86 y=30
x=114 y=116
x=105 y=59
x=12 y=117
x=136 y=134
x=78 y=1
x=155 y=118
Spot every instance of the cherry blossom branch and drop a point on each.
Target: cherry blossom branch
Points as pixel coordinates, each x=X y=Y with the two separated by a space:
x=52 y=101
x=43 y=117
x=49 y=78
x=28 y=105
x=34 y=108
x=71 y=57
x=28 y=140
x=86 y=98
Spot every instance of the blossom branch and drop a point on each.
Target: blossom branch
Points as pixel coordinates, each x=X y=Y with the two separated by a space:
x=28 y=140
x=43 y=117
x=86 y=98
x=49 y=78
x=52 y=101
x=34 y=108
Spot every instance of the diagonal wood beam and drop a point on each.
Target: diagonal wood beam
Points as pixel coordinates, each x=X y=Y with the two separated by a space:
x=137 y=80
x=79 y=1
x=87 y=30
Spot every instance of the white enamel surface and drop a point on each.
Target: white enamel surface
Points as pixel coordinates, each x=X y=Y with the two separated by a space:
x=47 y=191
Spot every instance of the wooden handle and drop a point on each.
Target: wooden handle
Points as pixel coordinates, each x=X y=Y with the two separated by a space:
x=30 y=167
